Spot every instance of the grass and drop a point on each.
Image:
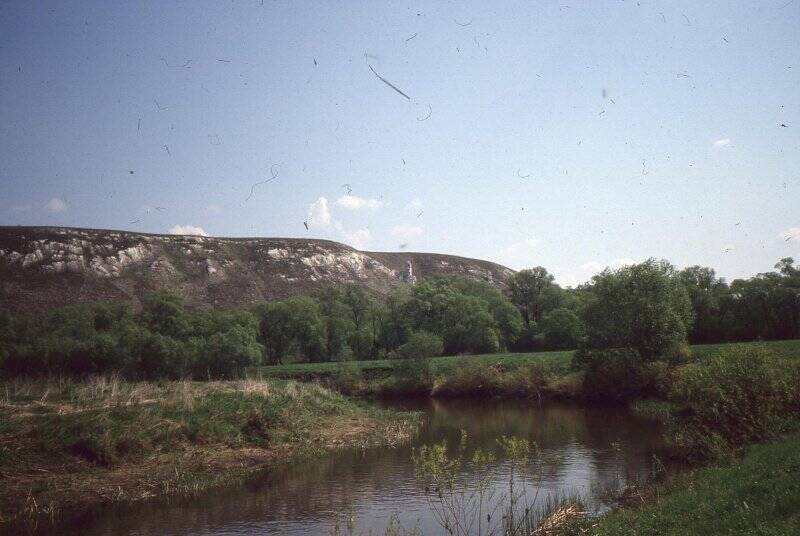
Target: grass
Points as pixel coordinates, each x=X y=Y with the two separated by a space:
x=758 y=493
x=555 y=361
x=544 y=374
x=781 y=349
x=65 y=443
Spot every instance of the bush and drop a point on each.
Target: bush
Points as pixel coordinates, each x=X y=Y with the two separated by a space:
x=677 y=353
x=615 y=376
x=410 y=376
x=739 y=396
x=421 y=344
x=475 y=378
x=348 y=378
x=561 y=328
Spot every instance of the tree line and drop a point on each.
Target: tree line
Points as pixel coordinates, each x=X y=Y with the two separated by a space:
x=649 y=307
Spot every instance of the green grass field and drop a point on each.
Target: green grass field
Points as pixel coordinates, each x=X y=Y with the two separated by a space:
x=553 y=361
x=556 y=362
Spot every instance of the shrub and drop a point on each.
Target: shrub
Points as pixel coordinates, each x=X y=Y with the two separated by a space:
x=348 y=377
x=470 y=377
x=411 y=376
x=677 y=353
x=644 y=306
x=561 y=328
x=738 y=396
x=421 y=344
x=614 y=376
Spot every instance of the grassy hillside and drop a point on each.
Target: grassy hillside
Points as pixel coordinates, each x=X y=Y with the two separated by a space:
x=47 y=267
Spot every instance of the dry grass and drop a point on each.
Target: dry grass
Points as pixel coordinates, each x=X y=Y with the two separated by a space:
x=24 y=397
x=66 y=444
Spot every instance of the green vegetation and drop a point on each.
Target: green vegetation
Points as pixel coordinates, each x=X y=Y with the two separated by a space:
x=66 y=443
x=630 y=329
x=545 y=374
x=741 y=396
x=466 y=502
x=650 y=308
x=757 y=493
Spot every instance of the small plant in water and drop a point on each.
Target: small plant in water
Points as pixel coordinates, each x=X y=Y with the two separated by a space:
x=461 y=489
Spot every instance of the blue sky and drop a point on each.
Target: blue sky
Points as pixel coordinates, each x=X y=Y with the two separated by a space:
x=572 y=135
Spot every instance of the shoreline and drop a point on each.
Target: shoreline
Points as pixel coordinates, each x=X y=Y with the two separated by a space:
x=41 y=487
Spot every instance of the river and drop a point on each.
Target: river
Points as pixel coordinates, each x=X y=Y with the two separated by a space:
x=583 y=451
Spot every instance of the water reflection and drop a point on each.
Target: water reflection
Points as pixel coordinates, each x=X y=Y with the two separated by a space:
x=584 y=450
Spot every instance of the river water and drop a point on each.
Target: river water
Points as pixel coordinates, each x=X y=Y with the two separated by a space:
x=583 y=451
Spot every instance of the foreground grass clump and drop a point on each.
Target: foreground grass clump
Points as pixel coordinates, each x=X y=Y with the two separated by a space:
x=756 y=494
x=65 y=442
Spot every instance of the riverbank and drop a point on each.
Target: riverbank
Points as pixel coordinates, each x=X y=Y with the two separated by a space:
x=756 y=493
x=66 y=446
x=541 y=375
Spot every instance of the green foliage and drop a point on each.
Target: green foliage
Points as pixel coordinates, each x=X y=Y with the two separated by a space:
x=164 y=341
x=472 y=377
x=464 y=322
x=534 y=292
x=615 y=375
x=644 y=307
x=758 y=494
x=647 y=307
x=348 y=377
x=465 y=502
x=736 y=397
x=561 y=328
x=421 y=344
x=291 y=327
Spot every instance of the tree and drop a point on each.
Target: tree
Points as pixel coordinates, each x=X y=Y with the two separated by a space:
x=393 y=327
x=164 y=314
x=707 y=294
x=359 y=306
x=534 y=292
x=226 y=353
x=292 y=326
x=336 y=320
x=468 y=326
x=421 y=344
x=644 y=307
x=507 y=317
x=561 y=328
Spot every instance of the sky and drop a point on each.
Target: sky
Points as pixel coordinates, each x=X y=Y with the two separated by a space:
x=570 y=135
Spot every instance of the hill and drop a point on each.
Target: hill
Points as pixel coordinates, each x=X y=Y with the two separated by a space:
x=46 y=267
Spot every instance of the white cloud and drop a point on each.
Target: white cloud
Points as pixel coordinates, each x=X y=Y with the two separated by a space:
x=358 y=238
x=520 y=255
x=319 y=215
x=56 y=205
x=791 y=234
x=593 y=267
x=352 y=202
x=187 y=230
x=19 y=208
x=213 y=209
x=587 y=270
x=721 y=143
x=415 y=203
x=407 y=232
